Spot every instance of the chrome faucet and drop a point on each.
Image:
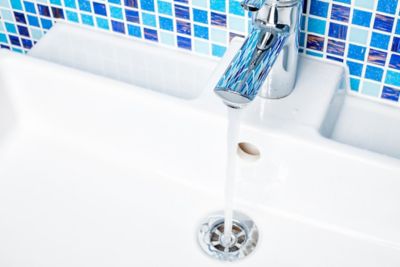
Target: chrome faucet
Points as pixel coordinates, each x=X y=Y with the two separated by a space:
x=266 y=64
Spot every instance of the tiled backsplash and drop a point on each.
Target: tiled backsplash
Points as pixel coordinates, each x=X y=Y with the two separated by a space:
x=365 y=34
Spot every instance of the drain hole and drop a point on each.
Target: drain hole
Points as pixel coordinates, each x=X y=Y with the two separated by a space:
x=248 y=151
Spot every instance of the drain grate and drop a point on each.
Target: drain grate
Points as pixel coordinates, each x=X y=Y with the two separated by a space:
x=242 y=242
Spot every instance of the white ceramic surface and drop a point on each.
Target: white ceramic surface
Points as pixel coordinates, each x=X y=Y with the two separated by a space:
x=96 y=172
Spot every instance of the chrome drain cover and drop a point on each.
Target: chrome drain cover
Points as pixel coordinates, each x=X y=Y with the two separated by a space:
x=243 y=240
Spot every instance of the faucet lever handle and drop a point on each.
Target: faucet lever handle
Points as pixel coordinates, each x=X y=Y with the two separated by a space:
x=252 y=5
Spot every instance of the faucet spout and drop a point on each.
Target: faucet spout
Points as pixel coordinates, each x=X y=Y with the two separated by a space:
x=249 y=69
x=266 y=64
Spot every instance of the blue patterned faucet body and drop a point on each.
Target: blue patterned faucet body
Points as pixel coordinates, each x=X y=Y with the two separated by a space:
x=266 y=64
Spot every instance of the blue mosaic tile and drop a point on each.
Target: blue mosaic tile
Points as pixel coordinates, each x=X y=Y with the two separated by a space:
x=147 y=5
x=166 y=23
x=117 y=26
x=183 y=27
x=150 y=34
x=319 y=8
x=132 y=16
x=377 y=57
x=383 y=23
x=131 y=3
x=390 y=93
x=365 y=34
x=338 y=30
x=355 y=68
x=218 y=19
x=340 y=13
x=387 y=6
x=200 y=15
x=380 y=40
x=182 y=12
x=395 y=62
x=356 y=52
x=184 y=42
x=315 y=42
x=336 y=47
x=374 y=73
x=361 y=18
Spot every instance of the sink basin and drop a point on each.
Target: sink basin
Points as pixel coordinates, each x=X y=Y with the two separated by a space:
x=364 y=124
x=100 y=172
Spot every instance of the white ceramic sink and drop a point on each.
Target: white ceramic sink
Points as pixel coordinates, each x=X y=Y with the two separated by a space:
x=99 y=172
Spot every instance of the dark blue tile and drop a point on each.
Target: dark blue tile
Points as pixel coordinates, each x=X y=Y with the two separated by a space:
x=184 y=42
x=361 y=18
x=387 y=6
x=19 y=17
x=340 y=13
x=5 y=47
x=131 y=3
x=58 y=13
x=27 y=44
x=150 y=34
x=44 y=10
x=22 y=30
x=319 y=8
x=218 y=19
x=182 y=12
x=117 y=26
x=147 y=5
x=338 y=59
x=315 y=42
x=14 y=40
x=183 y=27
x=166 y=23
x=335 y=47
x=132 y=16
x=374 y=73
x=99 y=9
x=380 y=40
x=383 y=23
x=356 y=52
x=182 y=1
x=201 y=32
x=396 y=44
x=395 y=61
x=355 y=68
x=377 y=57
x=390 y=93
x=338 y=31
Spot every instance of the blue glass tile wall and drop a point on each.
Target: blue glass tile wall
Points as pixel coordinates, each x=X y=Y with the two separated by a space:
x=363 y=34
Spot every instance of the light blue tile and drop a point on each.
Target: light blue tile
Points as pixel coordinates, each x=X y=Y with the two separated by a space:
x=218 y=50
x=7 y=15
x=36 y=34
x=358 y=36
x=371 y=89
x=167 y=38
x=201 y=47
x=236 y=23
x=218 y=35
x=200 y=3
x=4 y=3
x=367 y=4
